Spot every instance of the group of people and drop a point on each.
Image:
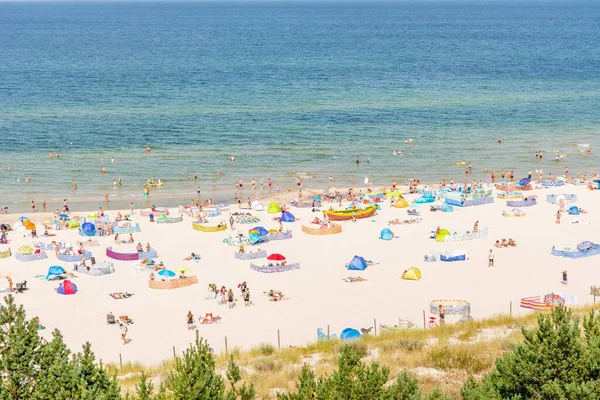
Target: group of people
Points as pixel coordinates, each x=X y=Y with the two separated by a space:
x=226 y=296
x=505 y=243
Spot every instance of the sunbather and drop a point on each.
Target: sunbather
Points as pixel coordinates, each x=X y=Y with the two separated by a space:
x=191 y=257
x=504 y=243
x=275 y=295
x=512 y=243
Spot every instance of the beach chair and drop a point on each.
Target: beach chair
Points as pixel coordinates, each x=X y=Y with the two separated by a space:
x=110 y=319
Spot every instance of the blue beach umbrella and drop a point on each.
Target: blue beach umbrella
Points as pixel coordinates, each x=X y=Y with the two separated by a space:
x=63 y=216
x=23 y=218
x=166 y=273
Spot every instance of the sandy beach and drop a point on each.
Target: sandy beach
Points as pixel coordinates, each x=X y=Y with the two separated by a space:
x=317 y=295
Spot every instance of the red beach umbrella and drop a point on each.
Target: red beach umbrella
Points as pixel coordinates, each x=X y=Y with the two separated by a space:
x=276 y=257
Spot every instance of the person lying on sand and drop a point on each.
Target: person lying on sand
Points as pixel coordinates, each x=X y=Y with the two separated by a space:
x=275 y=295
x=317 y=221
x=497 y=244
x=191 y=257
x=512 y=243
x=504 y=243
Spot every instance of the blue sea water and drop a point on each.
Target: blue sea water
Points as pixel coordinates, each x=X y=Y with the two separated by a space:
x=285 y=87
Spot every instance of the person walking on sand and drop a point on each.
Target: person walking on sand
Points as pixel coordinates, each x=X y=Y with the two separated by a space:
x=106 y=197
x=558 y=215
x=10 y=283
x=231 y=221
x=230 y=298
x=44 y=205
x=564 y=278
x=190 y=320
x=123 y=332
x=491 y=259
x=476 y=226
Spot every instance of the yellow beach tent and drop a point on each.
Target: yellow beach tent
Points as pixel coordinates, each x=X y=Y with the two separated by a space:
x=401 y=203
x=413 y=274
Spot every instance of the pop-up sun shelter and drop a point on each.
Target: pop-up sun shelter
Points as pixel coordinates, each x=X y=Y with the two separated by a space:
x=412 y=274
x=257 y=206
x=574 y=210
x=401 y=203
x=386 y=234
x=274 y=208
x=287 y=217
x=88 y=229
x=357 y=264
x=54 y=272
x=441 y=236
x=349 y=334
x=67 y=287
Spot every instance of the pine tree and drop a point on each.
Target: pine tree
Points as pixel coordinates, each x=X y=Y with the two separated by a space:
x=144 y=388
x=94 y=381
x=554 y=362
x=20 y=352
x=353 y=380
x=57 y=380
x=234 y=376
x=194 y=377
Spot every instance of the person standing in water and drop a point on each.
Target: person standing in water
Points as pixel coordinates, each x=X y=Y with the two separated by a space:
x=358 y=159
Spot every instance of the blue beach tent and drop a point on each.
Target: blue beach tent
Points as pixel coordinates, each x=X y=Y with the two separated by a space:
x=349 y=334
x=357 y=264
x=287 y=217
x=54 y=272
x=386 y=234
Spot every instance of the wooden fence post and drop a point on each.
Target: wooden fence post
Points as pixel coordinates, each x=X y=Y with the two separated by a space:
x=327 y=331
x=375 y=325
x=278 y=340
x=225 y=344
x=120 y=360
x=174 y=354
x=424 y=321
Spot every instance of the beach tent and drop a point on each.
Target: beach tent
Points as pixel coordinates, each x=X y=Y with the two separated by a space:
x=401 y=203
x=357 y=264
x=67 y=287
x=257 y=206
x=447 y=207
x=441 y=236
x=413 y=274
x=287 y=217
x=54 y=272
x=349 y=334
x=29 y=225
x=395 y=193
x=274 y=208
x=585 y=245
x=88 y=229
x=524 y=182
x=386 y=234
x=573 y=210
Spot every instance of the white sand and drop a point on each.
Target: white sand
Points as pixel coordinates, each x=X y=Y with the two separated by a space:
x=318 y=296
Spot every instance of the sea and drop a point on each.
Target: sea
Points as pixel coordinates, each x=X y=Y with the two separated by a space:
x=290 y=89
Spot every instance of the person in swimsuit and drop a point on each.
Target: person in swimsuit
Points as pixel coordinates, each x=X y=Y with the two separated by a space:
x=442 y=314
x=230 y=298
x=190 y=320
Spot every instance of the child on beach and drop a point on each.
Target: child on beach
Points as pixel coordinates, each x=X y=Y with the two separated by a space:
x=564 y=278
x=123 y=333
x=491 y=259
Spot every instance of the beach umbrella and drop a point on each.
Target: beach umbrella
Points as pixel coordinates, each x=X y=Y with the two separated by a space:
x=182 y=269
x=63 y=216
x=166 y=273
x=276 y=257
x=554 y=300
x=147 y=261
x=23 y=219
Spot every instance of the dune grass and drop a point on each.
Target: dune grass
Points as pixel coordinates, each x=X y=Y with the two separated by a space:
x=441 y=357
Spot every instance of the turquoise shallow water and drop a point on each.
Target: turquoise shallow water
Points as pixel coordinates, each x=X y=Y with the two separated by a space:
x=286 y=86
